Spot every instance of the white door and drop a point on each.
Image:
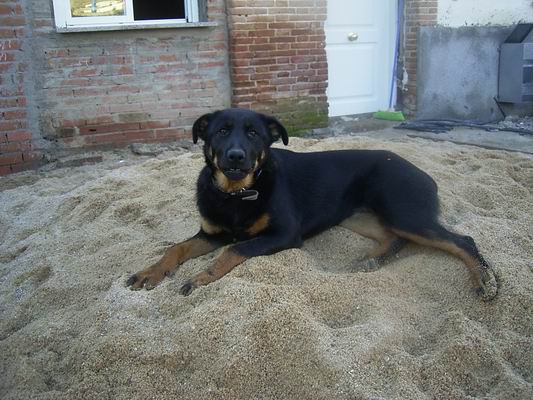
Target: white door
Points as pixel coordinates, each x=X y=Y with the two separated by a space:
x=360 y=40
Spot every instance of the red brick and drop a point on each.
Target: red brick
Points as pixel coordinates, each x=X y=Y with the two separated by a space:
x=419 y=13
x=83 y=72
x=8 y=57
x=14 y=147
x=26 y=166
x=31 y=156
x=102 y=119
x=5 y=170
x=10 y=158
x=97 y=129
x=6 y=9
x=139 y=135
x=120 y=137
x=8 y=126
x=210 y=65
x=169 y=133
x=68 y=123
x=75 y=82
x=18 y=114
x=154 y=124
x=19 y=136
x=12 y=21
x=6 y=33
x=124 y=71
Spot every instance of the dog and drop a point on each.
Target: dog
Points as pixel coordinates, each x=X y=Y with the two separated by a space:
x=262 y=200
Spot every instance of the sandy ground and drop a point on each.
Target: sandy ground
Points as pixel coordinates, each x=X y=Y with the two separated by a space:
x=287 y=326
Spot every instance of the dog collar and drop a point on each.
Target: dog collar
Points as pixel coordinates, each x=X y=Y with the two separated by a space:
x=243 y=194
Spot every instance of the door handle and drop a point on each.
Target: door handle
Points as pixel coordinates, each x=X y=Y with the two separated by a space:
x=352 y=36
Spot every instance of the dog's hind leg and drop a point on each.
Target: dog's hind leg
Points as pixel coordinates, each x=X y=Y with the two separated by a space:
x=380 y=255
x=483 y=277
x=368 y=225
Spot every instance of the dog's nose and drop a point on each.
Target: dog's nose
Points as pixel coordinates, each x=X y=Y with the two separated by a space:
x=236 y=155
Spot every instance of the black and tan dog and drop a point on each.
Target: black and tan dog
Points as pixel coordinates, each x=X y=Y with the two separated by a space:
x=266 y=200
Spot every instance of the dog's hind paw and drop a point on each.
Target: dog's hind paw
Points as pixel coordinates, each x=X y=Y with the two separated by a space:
x=368 y=265
x=187 y=288
x=489 y=284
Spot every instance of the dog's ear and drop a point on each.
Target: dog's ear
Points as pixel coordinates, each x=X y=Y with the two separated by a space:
x=276 y=130
x=199 y=129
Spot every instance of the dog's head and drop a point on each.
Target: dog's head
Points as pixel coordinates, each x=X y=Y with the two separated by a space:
x=236 y=141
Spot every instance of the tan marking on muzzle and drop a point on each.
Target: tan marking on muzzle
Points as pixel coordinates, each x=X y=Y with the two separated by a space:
x=227 y=185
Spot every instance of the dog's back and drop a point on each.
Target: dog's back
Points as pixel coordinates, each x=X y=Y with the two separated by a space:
x=327 y=187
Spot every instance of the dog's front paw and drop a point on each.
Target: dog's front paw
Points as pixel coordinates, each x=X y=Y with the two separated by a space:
x=489 y=284
x=187 y=288
x=148 y=278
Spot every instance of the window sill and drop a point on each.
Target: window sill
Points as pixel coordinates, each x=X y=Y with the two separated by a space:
x=137 y=25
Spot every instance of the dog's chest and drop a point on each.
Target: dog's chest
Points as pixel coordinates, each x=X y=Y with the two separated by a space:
x=242 y=214
x=241 y=218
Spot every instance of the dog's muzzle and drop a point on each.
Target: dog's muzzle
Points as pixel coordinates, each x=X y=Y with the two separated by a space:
x=235 y=164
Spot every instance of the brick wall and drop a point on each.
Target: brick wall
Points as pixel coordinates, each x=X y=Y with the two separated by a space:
x=63 y=92
x=16 y=148
x=278 y=59
x=105 y=89
x=417 y=13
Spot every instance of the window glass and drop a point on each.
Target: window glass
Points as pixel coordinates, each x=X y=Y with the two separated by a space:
x=97 y=8
x=162 y=9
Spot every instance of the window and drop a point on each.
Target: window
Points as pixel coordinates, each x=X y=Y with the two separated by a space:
x=79 y=15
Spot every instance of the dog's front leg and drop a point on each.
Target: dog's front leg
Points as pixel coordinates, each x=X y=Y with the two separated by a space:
x=196 y=246
x=237 y=254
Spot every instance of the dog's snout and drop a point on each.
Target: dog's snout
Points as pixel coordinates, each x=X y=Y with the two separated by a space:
x=236 y=155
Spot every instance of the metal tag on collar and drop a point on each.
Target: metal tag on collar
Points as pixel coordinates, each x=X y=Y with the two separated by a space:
x=250 y=194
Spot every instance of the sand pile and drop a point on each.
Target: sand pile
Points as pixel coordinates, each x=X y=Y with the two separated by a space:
x=293 y=325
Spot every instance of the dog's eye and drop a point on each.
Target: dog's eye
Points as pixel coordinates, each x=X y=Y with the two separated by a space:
x=252 y=133
x=223 y=132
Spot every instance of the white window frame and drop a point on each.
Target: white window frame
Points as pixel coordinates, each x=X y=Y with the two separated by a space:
x=65 y=22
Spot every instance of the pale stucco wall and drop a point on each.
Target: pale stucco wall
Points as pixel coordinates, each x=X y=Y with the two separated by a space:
x=456 y=13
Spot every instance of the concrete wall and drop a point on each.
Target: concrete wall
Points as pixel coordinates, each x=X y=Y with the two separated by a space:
x=457 y=69
x=458 y=72
x=456 y=13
